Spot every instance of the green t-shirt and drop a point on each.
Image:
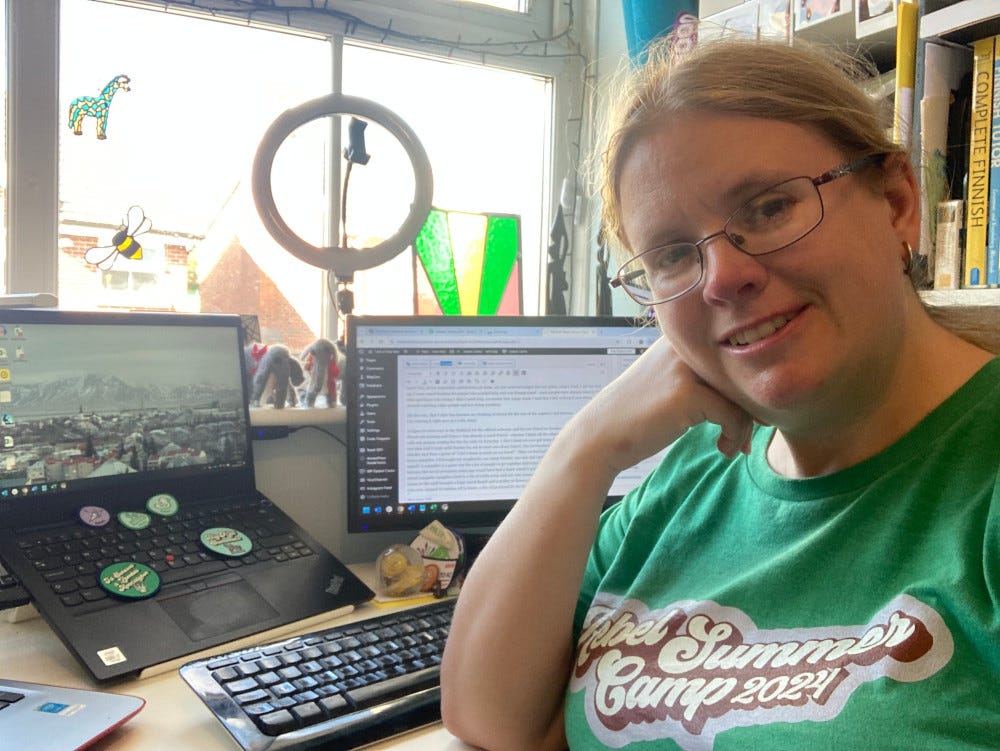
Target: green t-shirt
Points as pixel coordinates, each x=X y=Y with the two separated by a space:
x=726 y=607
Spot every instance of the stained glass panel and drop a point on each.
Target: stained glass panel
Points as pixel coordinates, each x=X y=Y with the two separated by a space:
x=468 y=264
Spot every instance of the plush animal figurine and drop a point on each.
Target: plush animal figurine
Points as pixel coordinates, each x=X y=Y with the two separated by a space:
x=320 y=360
x=273 y=374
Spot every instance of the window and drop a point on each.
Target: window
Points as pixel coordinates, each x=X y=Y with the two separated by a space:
x=176 y=139
x=164 y=113
x=507 y=111
x=3 y=128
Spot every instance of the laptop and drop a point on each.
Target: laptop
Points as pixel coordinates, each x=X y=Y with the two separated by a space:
x=128 y=508
x=53 y=718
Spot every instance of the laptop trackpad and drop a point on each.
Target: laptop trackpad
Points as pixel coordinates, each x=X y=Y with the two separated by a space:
x=218 y=610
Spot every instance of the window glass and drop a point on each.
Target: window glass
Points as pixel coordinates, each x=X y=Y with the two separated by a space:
x=3 y=139
x=155 y=200
x=484 y=131
x=170 y=110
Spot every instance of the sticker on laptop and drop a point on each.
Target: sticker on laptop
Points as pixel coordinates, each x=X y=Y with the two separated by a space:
x=112 y=656
x=134 y=519
x=54 y=707
x=130 y=579
x=226 y=541
x=162 y=504
x=94 y=516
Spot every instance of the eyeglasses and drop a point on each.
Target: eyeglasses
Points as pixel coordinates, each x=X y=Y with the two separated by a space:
x=771 y=220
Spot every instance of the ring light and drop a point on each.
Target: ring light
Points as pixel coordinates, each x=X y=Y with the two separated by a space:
x=343 y=261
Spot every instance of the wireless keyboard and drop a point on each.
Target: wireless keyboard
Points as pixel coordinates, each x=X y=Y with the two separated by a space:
x=334 y=684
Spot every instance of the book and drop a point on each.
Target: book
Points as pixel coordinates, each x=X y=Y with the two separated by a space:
x=945 y=65
x=906 y=68
x=948 y=246
x=993 y=223
x=977 y=189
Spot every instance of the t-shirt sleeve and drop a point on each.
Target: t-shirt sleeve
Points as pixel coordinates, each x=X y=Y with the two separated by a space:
x=611 y=531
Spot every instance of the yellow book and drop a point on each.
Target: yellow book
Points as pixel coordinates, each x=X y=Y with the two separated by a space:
x=906 y=68
x=977 y=198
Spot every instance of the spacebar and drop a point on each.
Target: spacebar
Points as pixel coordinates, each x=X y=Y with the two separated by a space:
x=376 y=693
x=186 y=572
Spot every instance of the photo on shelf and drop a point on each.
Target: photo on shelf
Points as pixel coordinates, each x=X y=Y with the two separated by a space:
x=873 y=16
x=775 y=19
x=814 y=11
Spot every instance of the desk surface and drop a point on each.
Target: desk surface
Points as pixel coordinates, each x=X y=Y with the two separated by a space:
x=174 y=717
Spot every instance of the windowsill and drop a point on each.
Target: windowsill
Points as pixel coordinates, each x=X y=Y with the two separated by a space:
x=298 y=416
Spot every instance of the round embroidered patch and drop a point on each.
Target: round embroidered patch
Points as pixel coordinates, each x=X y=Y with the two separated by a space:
x=226 y=541
x=134 y=519
x=94 y=516
x=163 y=504
x=130 y=579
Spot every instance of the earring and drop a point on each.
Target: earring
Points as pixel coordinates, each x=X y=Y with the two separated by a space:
x=908 y=261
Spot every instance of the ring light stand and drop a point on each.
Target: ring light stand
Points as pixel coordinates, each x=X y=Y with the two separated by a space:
x=342 y=261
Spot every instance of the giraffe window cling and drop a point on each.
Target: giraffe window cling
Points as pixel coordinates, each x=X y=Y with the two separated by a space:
x=97 y=107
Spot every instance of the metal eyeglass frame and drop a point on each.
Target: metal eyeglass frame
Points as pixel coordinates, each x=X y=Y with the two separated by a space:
x=622 y=278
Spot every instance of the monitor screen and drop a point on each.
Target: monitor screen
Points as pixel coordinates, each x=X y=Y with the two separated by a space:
x=104 y=406
x=447 y=416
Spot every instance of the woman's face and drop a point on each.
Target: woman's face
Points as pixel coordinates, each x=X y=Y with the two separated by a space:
x=798 y=335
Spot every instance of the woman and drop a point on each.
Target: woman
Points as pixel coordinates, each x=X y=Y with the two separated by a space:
x=816 y=562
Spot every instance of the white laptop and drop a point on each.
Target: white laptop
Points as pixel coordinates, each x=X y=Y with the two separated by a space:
x=53 y=718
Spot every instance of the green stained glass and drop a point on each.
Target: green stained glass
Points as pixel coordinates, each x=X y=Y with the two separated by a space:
x=433 y=246
x=471 y=263
x=503 y=245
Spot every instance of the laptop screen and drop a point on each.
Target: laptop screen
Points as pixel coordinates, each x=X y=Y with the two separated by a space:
x=104 y=407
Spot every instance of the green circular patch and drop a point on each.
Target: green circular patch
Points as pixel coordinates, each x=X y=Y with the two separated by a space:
x=163 y=504
x=226 y=541
x=134 y=519
x=130 y=579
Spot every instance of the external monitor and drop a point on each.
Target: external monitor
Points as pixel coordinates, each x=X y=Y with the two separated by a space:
x=447 y=416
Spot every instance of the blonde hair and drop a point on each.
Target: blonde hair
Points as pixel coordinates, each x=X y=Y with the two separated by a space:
x=813 y=86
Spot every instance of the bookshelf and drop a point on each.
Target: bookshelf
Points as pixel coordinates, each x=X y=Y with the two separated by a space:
x=962 y=21
x=975 y=313
x=972 y=313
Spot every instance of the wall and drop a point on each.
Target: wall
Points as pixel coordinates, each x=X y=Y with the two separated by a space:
x=304 y=475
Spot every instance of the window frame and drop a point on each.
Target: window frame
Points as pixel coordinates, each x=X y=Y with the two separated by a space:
x=34 y=120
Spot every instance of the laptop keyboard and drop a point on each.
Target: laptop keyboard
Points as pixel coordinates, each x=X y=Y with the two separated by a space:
x=70 y=559
x=7 y=698
x=12 y=594
x=333 y=684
